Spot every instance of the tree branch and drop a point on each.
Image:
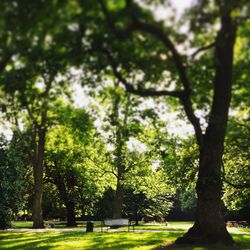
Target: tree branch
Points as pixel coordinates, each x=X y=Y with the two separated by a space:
x=234 y=185
x=97 y=163
x=182 y=95
x=109 y=172
x=154 y=30
x=157 y=32
x=209 y=46
x=130 y=87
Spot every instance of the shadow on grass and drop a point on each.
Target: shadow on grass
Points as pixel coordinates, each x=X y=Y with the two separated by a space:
x=242 y=242
x=107 y=241
x=87 y=241
x=202 y=247
x=21 y=241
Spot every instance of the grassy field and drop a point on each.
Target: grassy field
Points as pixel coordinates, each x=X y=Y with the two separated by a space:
x=111 y=240
x=179 y=226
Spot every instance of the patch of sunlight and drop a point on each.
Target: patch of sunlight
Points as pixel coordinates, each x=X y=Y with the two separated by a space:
x=72 y=244
x=143 y=247
x=180 y=225
x=235 y=230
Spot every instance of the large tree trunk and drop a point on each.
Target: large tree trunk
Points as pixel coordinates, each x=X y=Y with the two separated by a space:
x=118 y=200
x=38 y=182
x=210 y=226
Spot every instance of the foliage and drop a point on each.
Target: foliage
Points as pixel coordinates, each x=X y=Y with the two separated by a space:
x=11 y=180
x=121 y=42
x=236 y=167
x=70 y=159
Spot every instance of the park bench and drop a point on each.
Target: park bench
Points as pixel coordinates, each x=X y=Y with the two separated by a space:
x=52 y=223
x=117 y=223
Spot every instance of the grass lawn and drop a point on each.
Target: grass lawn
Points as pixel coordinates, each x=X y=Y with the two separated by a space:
x=111 y=240
x=21 y=224
x=171 y=226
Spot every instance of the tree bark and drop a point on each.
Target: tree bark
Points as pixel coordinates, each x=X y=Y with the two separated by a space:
x=118 y=200
x=37 y=208
x=60 y=183
x=40 y=130
x=38 y=181
x=120 y=144
x=210 y=226
x=71 y=216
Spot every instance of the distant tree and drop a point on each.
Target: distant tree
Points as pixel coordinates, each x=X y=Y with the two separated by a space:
x=148 y=195
x=12 y=172
x=35 y=57
x=236 y=192
x=120 y=124
x=68 y=161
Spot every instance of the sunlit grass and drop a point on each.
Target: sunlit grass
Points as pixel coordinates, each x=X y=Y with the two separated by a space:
x=238 y=230
x=21 y=224
x=112 y=240
x=169 y=226
x=86 y=241
x=90 y=241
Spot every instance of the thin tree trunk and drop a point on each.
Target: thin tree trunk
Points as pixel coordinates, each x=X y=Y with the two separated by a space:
x=37 y=208
x=38 y=182
x=38 y=158
x=118 y=201
x=136 y=216
x=120 y=154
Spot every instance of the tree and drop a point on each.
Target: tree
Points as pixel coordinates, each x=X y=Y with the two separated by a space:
x=236 y=157
x=121 y=124
x=34 y=59
x=121 y=136
x=180 y=164
x=67 y=161
x=129 y=28
x=236 y=192
x=148 y=193
x=36 y=101
x=61 y=158
x=11 y=177
x=123 y=39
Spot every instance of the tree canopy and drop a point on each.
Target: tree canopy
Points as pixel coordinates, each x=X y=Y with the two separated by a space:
x=137 y=71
